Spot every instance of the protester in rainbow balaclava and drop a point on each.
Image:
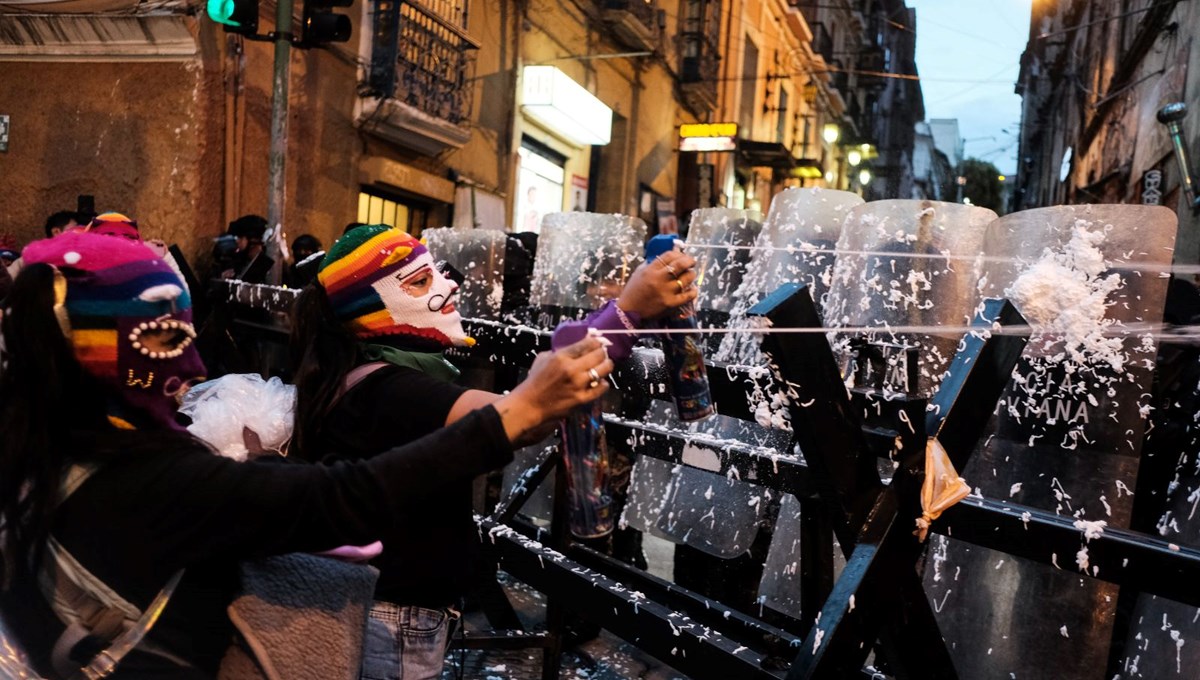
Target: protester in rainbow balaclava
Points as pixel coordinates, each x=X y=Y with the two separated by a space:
x=382 y=282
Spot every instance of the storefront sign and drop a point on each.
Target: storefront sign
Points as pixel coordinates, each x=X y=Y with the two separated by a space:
x=579 y=193
x=377 y=170
x=1152 y=187
x=565 y=107
x=708 y=136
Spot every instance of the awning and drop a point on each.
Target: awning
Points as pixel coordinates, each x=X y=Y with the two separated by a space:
x=95 y=37
x=765 y=155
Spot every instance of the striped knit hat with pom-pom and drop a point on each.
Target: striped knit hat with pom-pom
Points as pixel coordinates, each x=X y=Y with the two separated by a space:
x=364 y=276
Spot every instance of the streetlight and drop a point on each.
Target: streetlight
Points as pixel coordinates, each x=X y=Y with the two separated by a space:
x=854 y=157
x=831 y=133
x=864 y=177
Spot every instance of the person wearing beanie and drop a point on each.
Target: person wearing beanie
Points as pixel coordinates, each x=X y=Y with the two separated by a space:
x=366 y=349
x=119 y=226
x=109 y=507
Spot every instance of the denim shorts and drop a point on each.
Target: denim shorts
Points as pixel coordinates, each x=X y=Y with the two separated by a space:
x=406 y=643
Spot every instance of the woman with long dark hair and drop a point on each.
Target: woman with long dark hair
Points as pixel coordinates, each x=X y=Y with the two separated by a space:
x=105 y=500
x=367 y=342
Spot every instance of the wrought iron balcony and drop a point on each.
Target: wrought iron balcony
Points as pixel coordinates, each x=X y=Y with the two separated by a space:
x=418 y=92
x=839 y=79
x=698 y=74
x=822 y=42
x=633 y=22
x=807 y=7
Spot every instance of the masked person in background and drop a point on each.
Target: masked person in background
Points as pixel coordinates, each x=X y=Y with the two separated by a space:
x=367 y=345
x=108 y=506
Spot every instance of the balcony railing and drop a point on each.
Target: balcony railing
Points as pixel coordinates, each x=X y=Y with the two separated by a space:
x=419 y=81
x=808 y=8
x=433 y=64
x=645 y=12
x=822 y=42
x=838 y=77
x=634 y=22
x=698 y=73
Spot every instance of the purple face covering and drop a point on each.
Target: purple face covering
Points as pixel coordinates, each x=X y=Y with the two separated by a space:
x=130 y=322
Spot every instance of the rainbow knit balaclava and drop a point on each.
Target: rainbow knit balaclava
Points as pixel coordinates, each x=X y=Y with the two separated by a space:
x=130 y=321
x=368 y=276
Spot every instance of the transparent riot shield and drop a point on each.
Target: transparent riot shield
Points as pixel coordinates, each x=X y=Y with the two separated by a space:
x=780 y=585
x=717 y=514
x=478 y=254
x=796 y=245
x=721 y=239
x=517 y=476
x=1065 y=436
x=1162 y=636
x=583 y=259
x=908 y=263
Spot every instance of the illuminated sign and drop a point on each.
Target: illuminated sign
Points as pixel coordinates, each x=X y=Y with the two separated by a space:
x=565 y=107
x=708 y=130
x=708 y=136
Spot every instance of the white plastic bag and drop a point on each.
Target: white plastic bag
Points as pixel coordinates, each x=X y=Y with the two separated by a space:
x=240 y=414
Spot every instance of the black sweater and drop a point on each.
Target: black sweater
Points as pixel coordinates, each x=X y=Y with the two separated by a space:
x=138 y=520
x=429 y=557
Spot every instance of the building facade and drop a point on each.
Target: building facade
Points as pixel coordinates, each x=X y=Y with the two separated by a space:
x=1094 y=76
x=448 y=112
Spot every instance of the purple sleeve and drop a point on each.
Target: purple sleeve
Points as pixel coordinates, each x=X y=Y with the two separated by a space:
x=603 y=319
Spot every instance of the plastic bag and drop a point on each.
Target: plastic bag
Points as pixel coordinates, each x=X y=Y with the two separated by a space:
x=241 y=414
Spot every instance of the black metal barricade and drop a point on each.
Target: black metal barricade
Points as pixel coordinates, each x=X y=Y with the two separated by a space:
x=877 y=604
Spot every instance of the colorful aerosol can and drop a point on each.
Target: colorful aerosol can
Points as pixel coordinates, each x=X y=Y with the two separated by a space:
x=589 y=485
x=684 y=359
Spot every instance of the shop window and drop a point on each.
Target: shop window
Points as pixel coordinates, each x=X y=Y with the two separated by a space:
x=375 y=209
x=540 y=183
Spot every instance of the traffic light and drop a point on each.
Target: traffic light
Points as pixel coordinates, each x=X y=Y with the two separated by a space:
x=238 y=16
x=321 y=25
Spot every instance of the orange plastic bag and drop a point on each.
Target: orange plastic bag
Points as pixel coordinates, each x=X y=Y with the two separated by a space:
x=942 y=487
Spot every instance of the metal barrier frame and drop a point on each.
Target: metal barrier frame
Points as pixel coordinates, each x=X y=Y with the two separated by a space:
x=877 y=603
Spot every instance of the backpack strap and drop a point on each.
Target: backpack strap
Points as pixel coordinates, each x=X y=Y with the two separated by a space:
x=357 y=375
x=88 y=607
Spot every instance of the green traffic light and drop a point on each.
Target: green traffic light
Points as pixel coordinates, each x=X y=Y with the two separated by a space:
x=221 y=11
x=240 y=16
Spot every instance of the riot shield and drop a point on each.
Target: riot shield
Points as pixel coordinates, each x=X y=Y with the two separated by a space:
x=721 y=269
x=478 y=254
x=1065 y=437
x=583 y=259
x=908 y=263
x=780 y=586
x=796 y=245
x=711 y=512
x=1162 y=633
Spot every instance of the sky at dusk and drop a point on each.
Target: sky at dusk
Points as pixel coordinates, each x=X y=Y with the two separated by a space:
x=968 y=56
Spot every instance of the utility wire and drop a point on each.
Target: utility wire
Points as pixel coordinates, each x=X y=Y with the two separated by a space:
x=1068 y=29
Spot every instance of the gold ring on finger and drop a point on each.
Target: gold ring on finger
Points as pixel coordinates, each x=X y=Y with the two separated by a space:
x=595 y=382
x=680 y=284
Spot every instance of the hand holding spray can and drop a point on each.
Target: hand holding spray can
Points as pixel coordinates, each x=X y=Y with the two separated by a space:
x=585 y=455
x=589 y=486
x=684 y=359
